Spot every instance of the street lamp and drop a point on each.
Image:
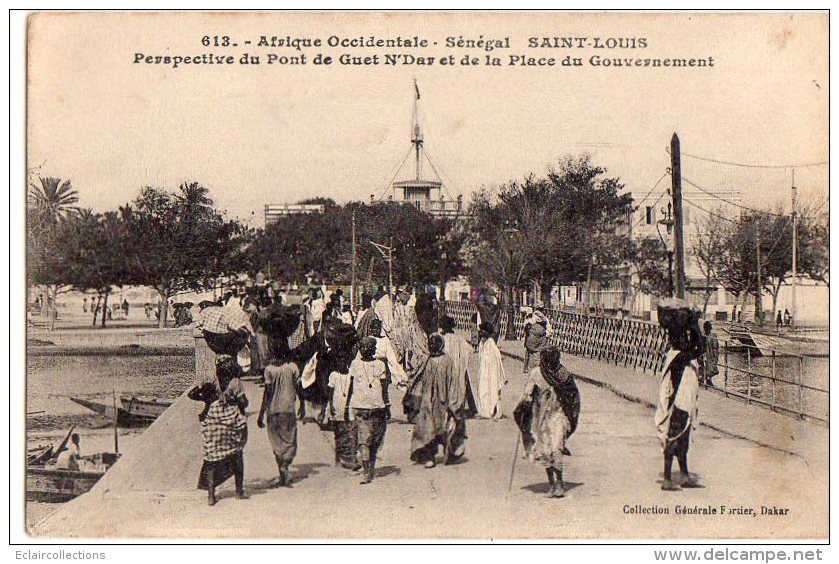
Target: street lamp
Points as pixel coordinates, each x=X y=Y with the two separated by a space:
x=667 y=222
x=510 y=230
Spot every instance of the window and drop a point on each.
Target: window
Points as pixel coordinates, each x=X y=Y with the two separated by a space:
x=650 y=215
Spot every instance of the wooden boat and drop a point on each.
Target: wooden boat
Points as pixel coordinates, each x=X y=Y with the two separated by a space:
x=144 y=407
x=55 y=485
x=130 y=412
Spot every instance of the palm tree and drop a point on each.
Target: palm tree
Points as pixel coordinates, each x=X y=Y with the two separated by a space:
x=193 y=195
x=54 y=200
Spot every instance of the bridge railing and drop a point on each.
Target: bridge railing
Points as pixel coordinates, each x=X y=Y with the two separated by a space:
x=784 y=382
x=623 y=342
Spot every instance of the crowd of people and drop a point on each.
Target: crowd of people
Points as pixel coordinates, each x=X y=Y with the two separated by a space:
x=345 y=362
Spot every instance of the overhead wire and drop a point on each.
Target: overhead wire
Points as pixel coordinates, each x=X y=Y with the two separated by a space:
x=749 y=165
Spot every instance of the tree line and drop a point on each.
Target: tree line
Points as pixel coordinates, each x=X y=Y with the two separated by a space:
x=569 y=226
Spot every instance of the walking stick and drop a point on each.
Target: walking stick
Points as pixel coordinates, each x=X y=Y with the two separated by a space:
x=515 y=458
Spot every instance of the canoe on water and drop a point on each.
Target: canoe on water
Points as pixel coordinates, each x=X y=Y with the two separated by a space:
x=55 y=485
x=130 y=411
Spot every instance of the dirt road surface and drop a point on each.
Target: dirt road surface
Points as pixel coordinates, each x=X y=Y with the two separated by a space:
x=613 y=478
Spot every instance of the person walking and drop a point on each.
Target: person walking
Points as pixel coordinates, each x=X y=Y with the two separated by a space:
x=433 y=404
x=281 y=378
x=677 y=414
x=491 y=376
x=343 y=424
x=224 y=428
x=547 y=415
x=369 y=404
x=459 y=350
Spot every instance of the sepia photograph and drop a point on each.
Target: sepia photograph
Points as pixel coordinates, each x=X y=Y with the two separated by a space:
x=425 y=276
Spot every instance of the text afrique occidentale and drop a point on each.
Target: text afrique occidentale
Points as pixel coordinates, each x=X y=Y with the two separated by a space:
x=297 y=44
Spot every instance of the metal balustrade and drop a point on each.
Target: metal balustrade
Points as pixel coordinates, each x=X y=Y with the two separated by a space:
x=780 y=381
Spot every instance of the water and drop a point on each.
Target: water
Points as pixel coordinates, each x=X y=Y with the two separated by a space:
x=812 y=372
x=51 y=380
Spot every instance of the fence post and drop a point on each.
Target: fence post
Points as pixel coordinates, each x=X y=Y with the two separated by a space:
x=725 y=365
x=748 y=374
x=800 y=387
x=773 y=381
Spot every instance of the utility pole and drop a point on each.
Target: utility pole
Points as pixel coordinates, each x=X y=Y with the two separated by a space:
x=759 y=294
x=794 y=254
x=390 y=266
x=352 y=285
x=678 y=231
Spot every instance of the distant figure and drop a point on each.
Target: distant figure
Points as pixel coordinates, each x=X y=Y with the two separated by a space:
x=68 y=459
x=709 y=362
x=491 y=375
x=125 y=307
x=787 y=318
x=778 y=320
x=84 y=306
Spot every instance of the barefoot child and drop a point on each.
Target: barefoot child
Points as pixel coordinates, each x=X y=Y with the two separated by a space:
x=369 y=404
x=281 y=378
x=343 y=424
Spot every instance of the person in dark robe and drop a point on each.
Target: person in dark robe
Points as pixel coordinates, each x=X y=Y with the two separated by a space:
x=366 y=317
x=489 y=312
x=433 y=403
x=677 y=414
x=224 y=428
x=281 y=378
x=536 y=333
x=547 y=415
x=428 y=311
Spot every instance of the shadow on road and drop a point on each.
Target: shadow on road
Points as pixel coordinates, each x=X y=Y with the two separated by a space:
x=542 y=487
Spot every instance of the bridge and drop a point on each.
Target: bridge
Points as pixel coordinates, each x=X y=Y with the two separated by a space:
x=748 y=456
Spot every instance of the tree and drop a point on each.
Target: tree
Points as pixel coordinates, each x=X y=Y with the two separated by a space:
x=92 y=250
x=179 y=242
x=649 y=259
x=50 y=202
x=561 y=229
x=814 y=244
x=709 y=252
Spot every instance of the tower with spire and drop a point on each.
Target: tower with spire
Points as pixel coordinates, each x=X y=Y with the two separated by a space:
x=425 y=194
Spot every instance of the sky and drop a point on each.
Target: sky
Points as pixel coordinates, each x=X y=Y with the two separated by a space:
x=276 y=134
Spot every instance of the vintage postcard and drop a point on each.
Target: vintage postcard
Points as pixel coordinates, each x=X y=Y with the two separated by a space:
x=427 y=276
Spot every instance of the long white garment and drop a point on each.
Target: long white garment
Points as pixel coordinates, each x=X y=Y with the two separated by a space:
x=490 y=379
x=384 y=351
x=384 y=311
x=686 y=399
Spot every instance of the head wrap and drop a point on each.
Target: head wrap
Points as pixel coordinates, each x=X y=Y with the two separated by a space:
x=485 y=329
x=550 y=365
x=367 y=348
x=226 y=370
x=435 y=344
x=366 y=301
x=536 y=339
x=376 y=327
x=447 y=324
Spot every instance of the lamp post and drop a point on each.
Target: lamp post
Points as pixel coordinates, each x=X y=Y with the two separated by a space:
x=667 y=222
x=510 y=230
